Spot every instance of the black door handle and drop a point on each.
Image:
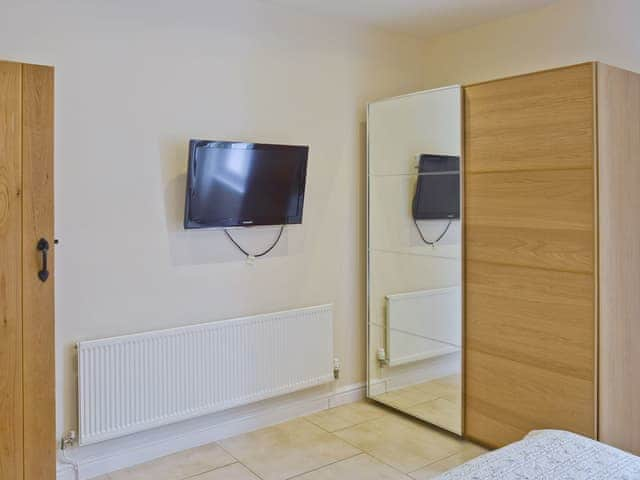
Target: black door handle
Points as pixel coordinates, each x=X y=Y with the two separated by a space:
x=43 y=247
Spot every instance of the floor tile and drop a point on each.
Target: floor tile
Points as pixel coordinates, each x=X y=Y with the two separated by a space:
x=405 y=444
x=346 y=415
x=235 y=471
x=178 y=466
x=362 y=467
x=440 y=412
x=432 y=470
x=288 y=449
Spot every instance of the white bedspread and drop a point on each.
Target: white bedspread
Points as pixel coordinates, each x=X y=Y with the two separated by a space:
x=550 y=455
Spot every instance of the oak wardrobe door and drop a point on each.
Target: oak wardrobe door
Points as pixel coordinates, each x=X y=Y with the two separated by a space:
x=530 y=255
x=27 y=375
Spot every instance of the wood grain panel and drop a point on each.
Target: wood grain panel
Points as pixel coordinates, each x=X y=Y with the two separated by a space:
x=538 y=121
x=530 y=255
x=38 y=297
x=531 y=315
x=565 y=249
x=11 y=451
x=545 y=199
x=619 y=183
x=491 y=428
x=518 y=398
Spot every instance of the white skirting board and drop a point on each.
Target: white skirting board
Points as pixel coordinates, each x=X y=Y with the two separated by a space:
x=99 y=459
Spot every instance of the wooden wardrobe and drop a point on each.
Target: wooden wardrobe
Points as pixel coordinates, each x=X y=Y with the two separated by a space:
x=552 y=255
x=27 y=374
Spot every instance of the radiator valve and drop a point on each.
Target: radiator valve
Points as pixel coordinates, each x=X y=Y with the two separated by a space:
x=336 y=368
x=68 y=439
x=381 y=356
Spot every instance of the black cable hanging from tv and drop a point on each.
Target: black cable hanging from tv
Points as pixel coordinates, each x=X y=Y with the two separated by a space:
x=435 y=242
x=257 y=255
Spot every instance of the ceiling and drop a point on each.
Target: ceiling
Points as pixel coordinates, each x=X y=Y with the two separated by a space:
x=424 y=18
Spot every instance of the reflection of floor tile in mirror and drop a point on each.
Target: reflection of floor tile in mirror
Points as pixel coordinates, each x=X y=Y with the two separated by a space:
x=406 y=397
x=446 y=387
x=451 y=380
x=437 y=401
x=440 y=412
x=441 y=390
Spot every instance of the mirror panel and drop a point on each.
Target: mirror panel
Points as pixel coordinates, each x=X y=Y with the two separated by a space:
x=404 y=127
x=414 y=255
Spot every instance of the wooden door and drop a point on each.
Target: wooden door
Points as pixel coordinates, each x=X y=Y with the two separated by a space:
x=38 y=299
x=530 y=262
x=11 y=407
x=27 y=376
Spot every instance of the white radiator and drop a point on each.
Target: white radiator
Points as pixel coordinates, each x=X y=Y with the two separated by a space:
x=136 y=382
x=423 y=324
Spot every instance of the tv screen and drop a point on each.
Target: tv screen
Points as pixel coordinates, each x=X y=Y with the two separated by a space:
x=232 y=184
x=437 y=188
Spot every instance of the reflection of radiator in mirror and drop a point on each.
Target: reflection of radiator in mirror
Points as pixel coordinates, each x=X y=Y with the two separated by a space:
x=423 y=324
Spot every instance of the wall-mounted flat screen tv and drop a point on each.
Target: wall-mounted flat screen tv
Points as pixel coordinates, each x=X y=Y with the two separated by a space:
x=232 y=184
x=437 y=188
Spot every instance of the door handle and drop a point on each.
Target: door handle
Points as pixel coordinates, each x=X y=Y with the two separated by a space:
x=43 y=248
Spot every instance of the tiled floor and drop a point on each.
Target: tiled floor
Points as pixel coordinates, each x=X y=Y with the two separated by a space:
x=360 y=441
x=437 y=401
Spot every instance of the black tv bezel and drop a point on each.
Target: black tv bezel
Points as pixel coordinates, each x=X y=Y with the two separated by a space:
x=190 y=224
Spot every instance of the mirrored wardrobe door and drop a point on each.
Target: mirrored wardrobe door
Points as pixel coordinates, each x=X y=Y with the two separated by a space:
x=414 y=255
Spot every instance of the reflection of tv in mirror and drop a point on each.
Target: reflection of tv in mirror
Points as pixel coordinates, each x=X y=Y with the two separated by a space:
x=438 y=188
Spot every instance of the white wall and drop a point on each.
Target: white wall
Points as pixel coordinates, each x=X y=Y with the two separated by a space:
x=564 y=33
x=136 y=80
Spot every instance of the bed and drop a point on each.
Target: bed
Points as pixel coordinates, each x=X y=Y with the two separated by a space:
x=550 y=455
